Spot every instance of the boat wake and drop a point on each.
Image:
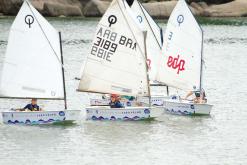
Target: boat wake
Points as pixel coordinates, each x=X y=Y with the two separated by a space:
x=76 y=42
x=3 y=42
x=226 y=40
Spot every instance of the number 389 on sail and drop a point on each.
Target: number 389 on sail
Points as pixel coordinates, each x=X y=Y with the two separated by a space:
x=103 y=49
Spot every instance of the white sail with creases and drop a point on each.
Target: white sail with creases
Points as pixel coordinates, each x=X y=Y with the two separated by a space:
x=32 y=66
x=180 y=63
x=154 y=36
x=116 y=62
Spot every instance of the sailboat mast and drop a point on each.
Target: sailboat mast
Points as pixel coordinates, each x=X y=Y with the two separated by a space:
x=145 y=52
x=167 y=90
x=201 y=71
x=64 y=87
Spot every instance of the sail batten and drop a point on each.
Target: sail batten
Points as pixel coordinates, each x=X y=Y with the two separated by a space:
x=32 y=66
x=180 y=64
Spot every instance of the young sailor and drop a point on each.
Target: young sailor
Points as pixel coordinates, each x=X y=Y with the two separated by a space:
x=200 y=96
x=33 y=106
x=115 y=101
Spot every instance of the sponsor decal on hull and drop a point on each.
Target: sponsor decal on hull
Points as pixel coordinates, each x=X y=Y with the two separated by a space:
x=29 y=122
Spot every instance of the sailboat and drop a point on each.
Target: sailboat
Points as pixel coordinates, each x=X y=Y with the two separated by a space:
x=154 y=41
x=117 y=64
x=181 y=64
x=33 y=68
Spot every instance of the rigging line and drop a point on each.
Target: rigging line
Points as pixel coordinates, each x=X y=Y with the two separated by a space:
x=131 y=29
x=149 y=23
x=43 y=32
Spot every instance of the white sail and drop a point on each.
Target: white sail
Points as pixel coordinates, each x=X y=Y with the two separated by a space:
x=154 y=36
x=180 y=63
x=32 y=66
x=116 y=63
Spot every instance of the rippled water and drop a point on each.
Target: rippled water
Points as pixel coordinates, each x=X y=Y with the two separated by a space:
x=219 y=139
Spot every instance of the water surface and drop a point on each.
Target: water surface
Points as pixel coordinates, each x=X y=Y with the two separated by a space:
x=219 y=139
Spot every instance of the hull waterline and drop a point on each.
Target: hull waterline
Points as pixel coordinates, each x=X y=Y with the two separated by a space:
x=120 y=114
x=187 y=108
x=40 y=117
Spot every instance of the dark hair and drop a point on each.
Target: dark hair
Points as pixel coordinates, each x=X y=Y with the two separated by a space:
x=198 y=94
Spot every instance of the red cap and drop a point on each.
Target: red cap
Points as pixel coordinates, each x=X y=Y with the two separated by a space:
x=114 y=95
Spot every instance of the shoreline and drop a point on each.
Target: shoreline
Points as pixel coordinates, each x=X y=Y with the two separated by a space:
x=96 y=8
x=231 y=21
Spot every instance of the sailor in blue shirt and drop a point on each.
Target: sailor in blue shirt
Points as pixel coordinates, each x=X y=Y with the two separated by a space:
x=33 y=106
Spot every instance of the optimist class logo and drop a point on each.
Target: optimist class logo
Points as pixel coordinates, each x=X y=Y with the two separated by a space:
x=176 y=63
x=180 y=19
x=139 y=18
x=29 y=20
x=112 y=19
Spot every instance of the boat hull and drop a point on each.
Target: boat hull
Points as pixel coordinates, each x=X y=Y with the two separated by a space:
x=125 y=114
x=40 y=117
x=187 y=108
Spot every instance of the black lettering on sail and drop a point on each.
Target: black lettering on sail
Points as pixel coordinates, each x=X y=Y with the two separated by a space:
x=104 y=46
x=107 y=34
x=129 y=43
x=134 y=47
x=100 y=32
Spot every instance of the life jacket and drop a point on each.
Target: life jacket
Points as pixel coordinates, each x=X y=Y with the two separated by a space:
x=115 y=104
x=32 y=107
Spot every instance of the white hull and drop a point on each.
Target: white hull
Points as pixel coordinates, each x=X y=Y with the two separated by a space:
x=128 y=113
x=40 y=117
x=186 y=108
